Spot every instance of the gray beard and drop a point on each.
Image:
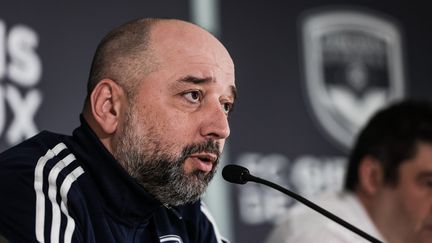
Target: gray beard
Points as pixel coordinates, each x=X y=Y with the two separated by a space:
x=166 y=180
x=160 y=174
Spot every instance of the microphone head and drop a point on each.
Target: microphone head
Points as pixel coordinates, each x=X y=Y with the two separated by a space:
x=235 y=174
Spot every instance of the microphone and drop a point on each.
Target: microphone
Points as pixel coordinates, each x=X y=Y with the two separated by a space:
x=240 y=175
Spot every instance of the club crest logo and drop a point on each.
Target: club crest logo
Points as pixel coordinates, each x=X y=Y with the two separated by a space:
x=353 y=66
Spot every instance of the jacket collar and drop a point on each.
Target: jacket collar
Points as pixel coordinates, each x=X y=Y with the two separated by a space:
x=121 y=193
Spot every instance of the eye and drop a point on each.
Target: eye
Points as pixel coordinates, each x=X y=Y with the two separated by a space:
x=426 y=181
x=193 y=96
x=228 y=107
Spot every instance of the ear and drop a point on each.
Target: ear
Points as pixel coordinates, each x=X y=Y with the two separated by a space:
x=370 y=175
x=106 y=103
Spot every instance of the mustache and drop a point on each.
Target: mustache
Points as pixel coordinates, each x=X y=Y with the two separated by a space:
x=209 y=146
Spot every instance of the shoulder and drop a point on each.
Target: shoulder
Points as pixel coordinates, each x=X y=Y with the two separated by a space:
x=30 y=149
x=37 y=176
x=35 y=158
x=303 y=224
x=19 y=162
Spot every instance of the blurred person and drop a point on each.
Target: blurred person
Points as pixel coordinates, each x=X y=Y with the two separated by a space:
x=388 y=184
x=153 y=127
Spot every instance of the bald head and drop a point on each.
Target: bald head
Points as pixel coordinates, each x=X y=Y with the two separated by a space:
x=176 y=38
x=132 y=50
x=121 y=52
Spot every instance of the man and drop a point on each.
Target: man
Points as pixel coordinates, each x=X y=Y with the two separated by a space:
x=152 y=129
x=388 y=184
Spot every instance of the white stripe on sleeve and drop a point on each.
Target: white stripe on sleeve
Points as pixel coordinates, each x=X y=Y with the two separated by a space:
x=38 y=185
x=64 y=190
x=52 y=194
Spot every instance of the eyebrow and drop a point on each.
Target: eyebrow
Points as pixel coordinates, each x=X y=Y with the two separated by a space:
x=234 y=92
x=196 y=80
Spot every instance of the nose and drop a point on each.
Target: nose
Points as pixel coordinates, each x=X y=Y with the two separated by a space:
x=215 y=123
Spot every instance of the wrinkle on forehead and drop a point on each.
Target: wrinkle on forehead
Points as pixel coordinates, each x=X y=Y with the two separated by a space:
x=172 y=39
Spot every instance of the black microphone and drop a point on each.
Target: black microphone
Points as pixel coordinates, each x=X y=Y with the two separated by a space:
x=240 y=175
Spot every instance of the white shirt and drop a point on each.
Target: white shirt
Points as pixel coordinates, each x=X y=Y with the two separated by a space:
x=305 y=225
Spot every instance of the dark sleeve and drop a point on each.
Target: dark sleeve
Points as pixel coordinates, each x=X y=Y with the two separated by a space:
x=32 y=206
x=17 y=200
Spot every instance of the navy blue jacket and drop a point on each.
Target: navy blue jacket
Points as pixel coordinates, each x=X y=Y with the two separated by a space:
x=58 y=188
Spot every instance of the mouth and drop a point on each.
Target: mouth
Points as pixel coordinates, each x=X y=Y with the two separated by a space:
x=203 y=161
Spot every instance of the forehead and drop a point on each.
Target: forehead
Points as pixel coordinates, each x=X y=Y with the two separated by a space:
x=177 y=42
x=185 y=52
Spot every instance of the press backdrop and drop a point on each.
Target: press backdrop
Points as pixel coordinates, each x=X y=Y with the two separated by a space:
x=309 y=74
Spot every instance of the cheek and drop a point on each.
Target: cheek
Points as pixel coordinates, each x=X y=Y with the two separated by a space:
x=155 y=116
x=174 y=131
x=180 y=125
x=415 y=205
x=175 y=127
